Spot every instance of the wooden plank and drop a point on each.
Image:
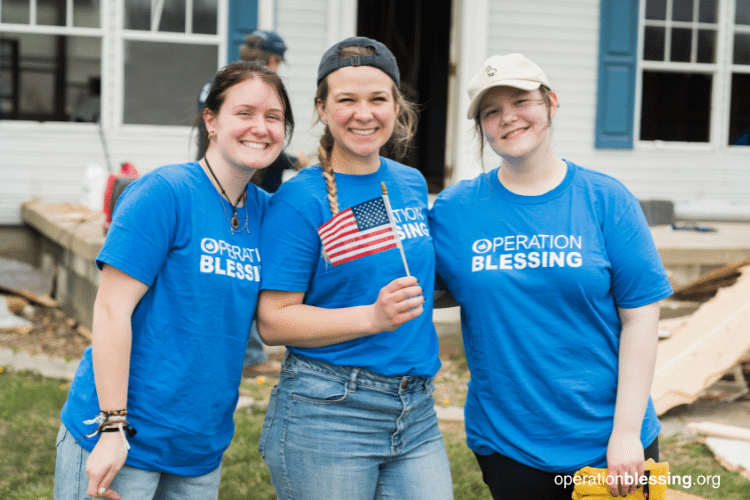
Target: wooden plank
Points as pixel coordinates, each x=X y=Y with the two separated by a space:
x=35 y=298
x=732 y=454
x=720 y=430
x=709 y=283
x=704 y=347
x=681 y=495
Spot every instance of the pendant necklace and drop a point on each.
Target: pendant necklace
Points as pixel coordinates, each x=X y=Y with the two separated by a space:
x=235 y=222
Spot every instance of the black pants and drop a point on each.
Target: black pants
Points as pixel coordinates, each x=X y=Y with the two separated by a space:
x=508 y=479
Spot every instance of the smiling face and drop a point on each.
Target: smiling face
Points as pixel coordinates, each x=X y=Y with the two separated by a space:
x=361 y=111
x=516 y=123
x=248 y=130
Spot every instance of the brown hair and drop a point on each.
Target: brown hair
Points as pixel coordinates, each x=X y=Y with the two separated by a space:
x=238 y=72
x=403 y=131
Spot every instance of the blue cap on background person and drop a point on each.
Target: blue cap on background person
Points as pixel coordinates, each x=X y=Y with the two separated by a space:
x=382 y=58
x=268 y=41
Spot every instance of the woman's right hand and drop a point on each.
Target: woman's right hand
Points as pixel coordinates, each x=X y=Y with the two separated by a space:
x=399 y=301
x=105 y=461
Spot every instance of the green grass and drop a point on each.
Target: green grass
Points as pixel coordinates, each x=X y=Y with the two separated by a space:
x=29 y=421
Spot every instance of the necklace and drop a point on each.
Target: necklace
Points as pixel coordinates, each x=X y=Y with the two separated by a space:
x=235 y=222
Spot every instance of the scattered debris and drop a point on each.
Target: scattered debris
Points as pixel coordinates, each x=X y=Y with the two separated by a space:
x=9 y=321
x=706 y=345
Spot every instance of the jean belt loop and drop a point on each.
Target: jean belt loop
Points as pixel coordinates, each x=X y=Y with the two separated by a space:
x=353 y=380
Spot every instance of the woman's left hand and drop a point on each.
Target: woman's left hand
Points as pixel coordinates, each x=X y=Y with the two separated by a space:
x=624 y=462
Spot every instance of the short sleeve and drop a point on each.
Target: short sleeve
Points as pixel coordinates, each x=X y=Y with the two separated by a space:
x=142 y=230
x=638 y=274
x=289 y=248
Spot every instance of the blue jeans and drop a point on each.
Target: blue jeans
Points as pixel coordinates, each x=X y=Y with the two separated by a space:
x=254 y=351
x=71 y=481
x=343 y=433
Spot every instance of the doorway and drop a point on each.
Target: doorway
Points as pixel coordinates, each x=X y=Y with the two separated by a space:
x=418 y=34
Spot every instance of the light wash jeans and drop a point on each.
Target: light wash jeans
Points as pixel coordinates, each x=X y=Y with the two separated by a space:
x=131 y=483
x=343 y=433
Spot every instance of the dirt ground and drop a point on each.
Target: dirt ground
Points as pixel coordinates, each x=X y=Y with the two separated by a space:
x=53 y=333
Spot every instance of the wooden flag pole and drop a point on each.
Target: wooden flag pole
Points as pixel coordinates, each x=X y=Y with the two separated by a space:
x=393 y=226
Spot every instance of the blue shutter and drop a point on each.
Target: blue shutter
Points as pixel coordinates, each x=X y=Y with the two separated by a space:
x=618 y=57
x=243 y=20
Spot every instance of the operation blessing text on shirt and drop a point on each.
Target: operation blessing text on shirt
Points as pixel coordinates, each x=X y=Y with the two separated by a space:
x=219 y=257
x=410 y=222
x=538 y=250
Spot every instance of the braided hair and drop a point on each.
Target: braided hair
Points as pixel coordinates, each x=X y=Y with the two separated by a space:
x=403 y=131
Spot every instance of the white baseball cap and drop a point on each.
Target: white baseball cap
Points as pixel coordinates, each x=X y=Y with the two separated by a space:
x=511 y=70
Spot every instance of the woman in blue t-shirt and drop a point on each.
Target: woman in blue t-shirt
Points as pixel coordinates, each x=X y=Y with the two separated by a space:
x=353 y=416
x=179 y=283
x=557 y=277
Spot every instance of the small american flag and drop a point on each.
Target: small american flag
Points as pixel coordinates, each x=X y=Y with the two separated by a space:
x=358 y=231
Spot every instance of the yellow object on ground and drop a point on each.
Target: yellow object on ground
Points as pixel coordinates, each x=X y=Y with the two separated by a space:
x=591 y=483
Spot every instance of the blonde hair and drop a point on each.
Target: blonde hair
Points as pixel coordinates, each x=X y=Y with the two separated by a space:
x=403 y=131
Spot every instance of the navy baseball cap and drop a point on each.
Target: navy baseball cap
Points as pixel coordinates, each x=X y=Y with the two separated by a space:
x=382 y=58
x=269 y=41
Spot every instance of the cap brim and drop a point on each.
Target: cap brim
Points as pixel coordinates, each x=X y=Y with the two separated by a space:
x=527 y=85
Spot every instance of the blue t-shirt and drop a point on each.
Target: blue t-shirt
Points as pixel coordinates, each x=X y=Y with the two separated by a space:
x=539 y=280
x=293 y=262
x=171 y=232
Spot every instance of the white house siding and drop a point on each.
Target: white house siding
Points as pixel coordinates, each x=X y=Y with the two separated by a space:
x=303 y=24
x=562 y=36
x=309 y=28
x=48 y=160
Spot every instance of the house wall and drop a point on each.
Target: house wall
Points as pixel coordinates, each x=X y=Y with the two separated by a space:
x=48 y=160
x=703 y=180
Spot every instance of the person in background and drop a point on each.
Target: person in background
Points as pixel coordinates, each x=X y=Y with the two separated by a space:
x=149 y=413
x=352 y=416
x=266 y=48
x=558 y=280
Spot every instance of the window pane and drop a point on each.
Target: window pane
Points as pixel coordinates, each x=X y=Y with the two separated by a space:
x=739 y=119
x=681 y=45
x=50 y=12
x=742 y=12
x=173 y=16
x=204 y=16
x=54 y=74
x=741 y=49
x=664 y=115
x=137 y=15
x=163 y=80
x=86 y=13
x=653 y=44
x=706 y=46
x=682 y=10
x=15 y=11
x=656 y=9
x=707 y=11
